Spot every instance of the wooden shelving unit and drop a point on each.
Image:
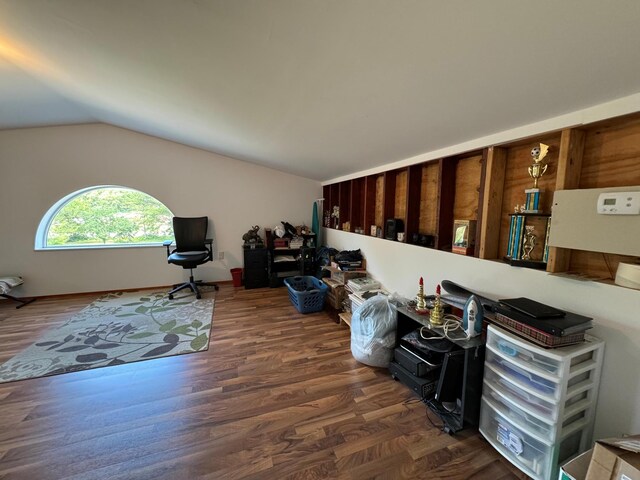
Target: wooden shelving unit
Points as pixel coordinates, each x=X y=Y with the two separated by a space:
x=485 y=186
x=345 y=318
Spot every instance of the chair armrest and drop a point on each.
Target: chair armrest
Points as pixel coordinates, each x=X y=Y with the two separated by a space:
x=167 y=243
x=208 y=244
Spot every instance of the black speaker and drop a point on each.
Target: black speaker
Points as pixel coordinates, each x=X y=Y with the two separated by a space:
x=394 y=225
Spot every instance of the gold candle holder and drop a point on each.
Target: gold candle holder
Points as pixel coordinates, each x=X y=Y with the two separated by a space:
x=437 y=313
x=421 y=304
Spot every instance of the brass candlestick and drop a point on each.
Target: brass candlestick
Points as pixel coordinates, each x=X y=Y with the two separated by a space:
x=437 y=313
x=421 y=304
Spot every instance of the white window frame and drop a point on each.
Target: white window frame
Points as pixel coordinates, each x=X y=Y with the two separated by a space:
x=45 y=223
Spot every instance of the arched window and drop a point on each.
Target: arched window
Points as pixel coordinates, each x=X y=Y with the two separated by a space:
x=104 y=216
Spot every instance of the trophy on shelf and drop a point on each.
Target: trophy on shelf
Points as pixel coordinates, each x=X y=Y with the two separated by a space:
x=526 y=218
x=536 y=170
x=529 y=242
x=335 y=214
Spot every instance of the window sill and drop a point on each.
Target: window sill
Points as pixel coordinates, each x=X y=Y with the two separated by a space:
x=96 y=247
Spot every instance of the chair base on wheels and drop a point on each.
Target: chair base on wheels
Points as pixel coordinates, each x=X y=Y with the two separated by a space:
x=193 y=285
x=21 y=301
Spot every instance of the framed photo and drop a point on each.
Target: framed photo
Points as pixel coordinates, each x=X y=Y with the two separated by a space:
x=464 y=237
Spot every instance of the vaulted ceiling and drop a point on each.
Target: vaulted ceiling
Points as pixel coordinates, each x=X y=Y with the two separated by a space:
x=319 y=88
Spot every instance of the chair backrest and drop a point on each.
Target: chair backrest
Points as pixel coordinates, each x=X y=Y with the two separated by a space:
x=190 y=233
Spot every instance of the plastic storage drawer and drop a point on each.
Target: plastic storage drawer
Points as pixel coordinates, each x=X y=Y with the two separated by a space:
x=545 y=362
x=523 y=450
x=520 y=417
x=523 y=377
x=522 y=397
x=524 y=353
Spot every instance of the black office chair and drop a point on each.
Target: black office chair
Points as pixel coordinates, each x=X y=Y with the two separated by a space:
x=193 y=248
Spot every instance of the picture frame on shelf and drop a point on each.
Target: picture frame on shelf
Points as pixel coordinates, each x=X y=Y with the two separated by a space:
x=464 y=237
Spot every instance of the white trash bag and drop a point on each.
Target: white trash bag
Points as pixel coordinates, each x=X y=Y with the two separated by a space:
x=373 y=331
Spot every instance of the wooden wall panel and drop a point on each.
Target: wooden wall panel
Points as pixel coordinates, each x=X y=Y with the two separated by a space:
x=357 y=203
x=345 y=205
x=611 y=158
x=491 y=203
x=567 y=178
x=380 y=201
x=612 y=154
x=400 y=210
x=428 y=199
x=446 y=196
x=595 y=265
x=412 y=204
x=369 y=204
x=468 y=174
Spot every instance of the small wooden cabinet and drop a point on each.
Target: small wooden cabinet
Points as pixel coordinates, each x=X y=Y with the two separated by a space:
x=256 y=268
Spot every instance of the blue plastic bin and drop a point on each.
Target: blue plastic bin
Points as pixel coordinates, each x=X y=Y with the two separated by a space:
x=306 y=293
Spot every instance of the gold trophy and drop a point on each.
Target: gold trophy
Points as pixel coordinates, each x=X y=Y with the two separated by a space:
x=537 y=168
x=529 y=242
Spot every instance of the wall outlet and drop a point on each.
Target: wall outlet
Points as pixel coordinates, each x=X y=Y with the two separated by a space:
x=220 y=255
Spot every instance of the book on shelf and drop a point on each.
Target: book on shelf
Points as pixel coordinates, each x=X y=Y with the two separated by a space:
x=569 y=324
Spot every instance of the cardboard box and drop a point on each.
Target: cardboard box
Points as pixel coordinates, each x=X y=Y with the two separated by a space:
x=577 y=468
x=336 y=293
x=615 y=459
x=343 y=276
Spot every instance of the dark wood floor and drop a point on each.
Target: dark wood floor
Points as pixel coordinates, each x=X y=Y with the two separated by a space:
x=277 y=396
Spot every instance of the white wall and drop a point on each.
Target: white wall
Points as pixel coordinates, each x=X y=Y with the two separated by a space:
x=616 y=310
x=38 y=166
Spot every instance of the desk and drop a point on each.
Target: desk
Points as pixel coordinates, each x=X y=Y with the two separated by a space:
x=468 y=413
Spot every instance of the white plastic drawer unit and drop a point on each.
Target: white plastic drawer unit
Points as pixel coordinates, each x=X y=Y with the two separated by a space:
x=532 y=456
x=538 y=405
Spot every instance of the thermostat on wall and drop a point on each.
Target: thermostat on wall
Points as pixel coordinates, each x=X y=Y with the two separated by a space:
x=619 y=203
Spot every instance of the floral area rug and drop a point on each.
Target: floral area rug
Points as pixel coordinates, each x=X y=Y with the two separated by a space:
x=115 y=329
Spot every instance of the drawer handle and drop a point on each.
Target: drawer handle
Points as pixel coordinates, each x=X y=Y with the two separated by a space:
x=507 y=349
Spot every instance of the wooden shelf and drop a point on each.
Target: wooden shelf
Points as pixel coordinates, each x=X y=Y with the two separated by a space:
x=345 y=318
x=485 y=186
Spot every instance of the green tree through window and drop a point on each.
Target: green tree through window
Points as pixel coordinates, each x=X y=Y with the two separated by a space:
x=110 y=216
